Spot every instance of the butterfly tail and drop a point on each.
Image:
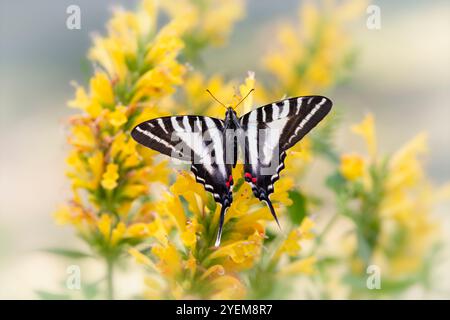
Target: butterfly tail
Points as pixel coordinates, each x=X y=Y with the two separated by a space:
x=272 y=210
x=221 y=220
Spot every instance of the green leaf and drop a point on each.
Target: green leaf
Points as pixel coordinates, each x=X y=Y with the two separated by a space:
x=297 y=211
x=68 y=253
x=238 y=184
x=45 y=295
x=336 y=182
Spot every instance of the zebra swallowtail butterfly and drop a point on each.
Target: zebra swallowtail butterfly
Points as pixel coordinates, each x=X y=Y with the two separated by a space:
x=211 y=145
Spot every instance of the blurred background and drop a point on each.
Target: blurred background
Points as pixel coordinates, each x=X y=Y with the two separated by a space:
x=402 y=75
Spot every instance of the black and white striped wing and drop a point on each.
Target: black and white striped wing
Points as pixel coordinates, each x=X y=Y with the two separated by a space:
x=198 y=140
x=270 y=131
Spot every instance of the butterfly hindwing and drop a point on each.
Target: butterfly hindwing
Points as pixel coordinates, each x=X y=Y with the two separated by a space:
x=270 y=131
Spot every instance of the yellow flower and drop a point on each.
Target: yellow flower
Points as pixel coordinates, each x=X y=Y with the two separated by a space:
x=352 y=166
x=139 y=230
x=82 y=137
x=141 y=258
x=189 y=236
x=244 y=89
x=405 y=166
x=104 y=225
x=292 y=244
x=96 y=167
x=110 y=177
x=302 y=266
x=366 y=129
x=101 y=89
x=62 y=215
x=118 y=117
x=118 y=233
x=169 y=260
x=228 y=287
x=81 y=99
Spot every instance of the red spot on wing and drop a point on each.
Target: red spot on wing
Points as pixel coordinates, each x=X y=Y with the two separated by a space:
x=249 y=176
x=230 y=181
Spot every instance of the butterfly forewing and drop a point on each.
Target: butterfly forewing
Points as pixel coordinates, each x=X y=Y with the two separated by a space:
x=198 y=140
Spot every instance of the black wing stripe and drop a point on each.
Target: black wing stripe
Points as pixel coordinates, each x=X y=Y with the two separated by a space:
x=311 y=114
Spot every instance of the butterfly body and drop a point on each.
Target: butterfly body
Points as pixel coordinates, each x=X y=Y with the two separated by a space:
x=211 y=145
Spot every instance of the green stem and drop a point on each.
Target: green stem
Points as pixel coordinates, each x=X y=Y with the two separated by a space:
x=324 y=232
x=109 y=278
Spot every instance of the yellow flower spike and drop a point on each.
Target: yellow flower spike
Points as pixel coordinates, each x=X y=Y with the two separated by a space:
x=191 y=264
x=189 y=236
x=303 y=266
x=110 y=177
x=118 y=233
x=228 y=287
x=152 y=282
x=244 y=89
x=109 y=53
x=169 y=259
x=101 y=89
x=160 y=172
x=218 y=23
x=366 y=129
x=104 y=225
x=159 y=231
x=82 y=137
x=142 y=259
x=132 y=161
x=96 y=167
x=134 y=190
x=404 y=166
x=75 y=162
x=171 y=207
x=291 y=245
x=239 y=255
x=193 y=192
x=81 y=100
x=118 y=144
x=63 y=215
x=306 y=227
x=118 y=117
x=139 y=230
x=352 y=166
x=215 y=270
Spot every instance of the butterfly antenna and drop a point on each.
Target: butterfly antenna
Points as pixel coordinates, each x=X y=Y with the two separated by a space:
x=207 y=90
x=244 y=97
x=222 y=218
x=272 y=210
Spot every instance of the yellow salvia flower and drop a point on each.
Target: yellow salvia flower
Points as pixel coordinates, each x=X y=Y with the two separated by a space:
x=302 y=266
x=118 y=233
x=366 y=129
x=82 y=137
x=101 y=89
x=118 y=117
x=104 y=225
x=352 y=166
x=110 y=177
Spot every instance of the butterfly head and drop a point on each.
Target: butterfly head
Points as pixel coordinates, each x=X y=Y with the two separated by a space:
x=231 y=119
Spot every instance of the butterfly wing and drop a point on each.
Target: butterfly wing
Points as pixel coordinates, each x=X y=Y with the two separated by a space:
x=198 y=140
x=270 y=131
